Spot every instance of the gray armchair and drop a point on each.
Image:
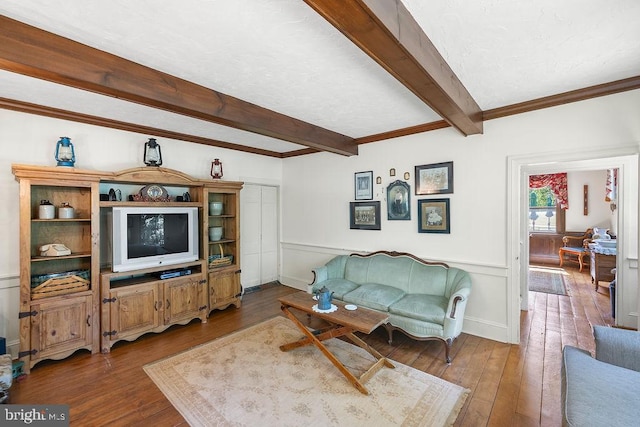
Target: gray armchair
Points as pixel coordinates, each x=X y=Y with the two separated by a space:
x=602 y=391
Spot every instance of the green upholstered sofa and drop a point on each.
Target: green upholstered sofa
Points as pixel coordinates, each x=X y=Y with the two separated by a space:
x=424 y=300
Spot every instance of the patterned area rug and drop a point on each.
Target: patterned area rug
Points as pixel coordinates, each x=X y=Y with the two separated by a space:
x=547 y=280
x=244 y=379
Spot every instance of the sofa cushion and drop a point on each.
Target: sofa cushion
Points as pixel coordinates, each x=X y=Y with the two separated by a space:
x=375 y=296
x=429 y=308
x=339 y=287
x=595 y=393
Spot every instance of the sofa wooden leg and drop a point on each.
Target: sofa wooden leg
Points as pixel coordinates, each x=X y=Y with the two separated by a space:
x=447 y=347
x=390 y=332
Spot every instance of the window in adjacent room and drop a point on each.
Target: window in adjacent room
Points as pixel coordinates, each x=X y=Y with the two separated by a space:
x=548 y=200
x=542 y=210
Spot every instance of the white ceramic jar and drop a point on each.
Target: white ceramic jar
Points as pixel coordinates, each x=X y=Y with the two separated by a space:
x=46 y=210
x=66 y=212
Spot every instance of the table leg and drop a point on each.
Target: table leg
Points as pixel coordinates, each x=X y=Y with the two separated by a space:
x=356 y=340
x=312 y=338
x=333 y=331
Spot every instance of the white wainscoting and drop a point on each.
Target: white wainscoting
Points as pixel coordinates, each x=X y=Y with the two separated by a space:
x=486 y=313
x=9 y=307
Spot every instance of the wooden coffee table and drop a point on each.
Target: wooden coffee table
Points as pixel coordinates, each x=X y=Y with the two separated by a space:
x=343 y=323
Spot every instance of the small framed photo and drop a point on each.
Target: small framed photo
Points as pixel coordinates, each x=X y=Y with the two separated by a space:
x=434 y=216
x=398 y=203
x=436 y=178
x=364 y=215
x=364 y=185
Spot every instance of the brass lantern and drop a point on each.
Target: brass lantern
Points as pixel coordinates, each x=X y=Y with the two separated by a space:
x=152 y=153
x=216 y=169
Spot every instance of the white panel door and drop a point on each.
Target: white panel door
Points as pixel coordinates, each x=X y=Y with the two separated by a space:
x=259 y=234
x=250 y=230
x=269 y=244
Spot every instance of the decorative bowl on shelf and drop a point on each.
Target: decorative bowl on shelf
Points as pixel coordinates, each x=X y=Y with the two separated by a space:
x=215 y=208
x=215 y=233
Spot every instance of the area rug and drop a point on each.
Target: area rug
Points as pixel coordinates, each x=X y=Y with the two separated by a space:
x=244 y=379
x=547 y=280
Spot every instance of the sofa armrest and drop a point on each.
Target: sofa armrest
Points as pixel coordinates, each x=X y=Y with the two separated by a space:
x=320 y=274
x=456 y=300
x=618 y=347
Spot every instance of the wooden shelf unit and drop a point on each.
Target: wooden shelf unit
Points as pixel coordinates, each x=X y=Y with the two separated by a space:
x=53 y=327
x=224 y=279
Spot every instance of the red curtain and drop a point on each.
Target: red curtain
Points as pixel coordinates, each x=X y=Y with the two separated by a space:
x=558 y=184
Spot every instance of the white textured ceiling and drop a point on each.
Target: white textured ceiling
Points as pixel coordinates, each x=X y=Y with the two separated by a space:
x=282 y=55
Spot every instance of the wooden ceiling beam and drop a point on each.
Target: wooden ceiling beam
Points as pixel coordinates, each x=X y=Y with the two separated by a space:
x=386 y=31
x=57 y=113
x=37 y=53
x=604 y=89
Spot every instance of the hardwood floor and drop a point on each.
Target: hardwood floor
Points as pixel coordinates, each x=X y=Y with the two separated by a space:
x=511 y=385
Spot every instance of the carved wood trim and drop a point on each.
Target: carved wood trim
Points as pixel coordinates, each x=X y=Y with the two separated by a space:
x=56 y=172
x=400 y=254
x=455 y=305
x=147 y=174
x=447 y=342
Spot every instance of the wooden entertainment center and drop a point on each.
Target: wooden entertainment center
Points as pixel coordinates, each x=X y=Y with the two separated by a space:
x=75 y=301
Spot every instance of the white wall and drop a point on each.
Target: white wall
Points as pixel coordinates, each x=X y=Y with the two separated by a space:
x=599 y=212
x=30 y=139
x=317 y=190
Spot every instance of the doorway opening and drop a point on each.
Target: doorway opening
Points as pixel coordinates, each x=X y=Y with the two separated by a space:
x=626 y=160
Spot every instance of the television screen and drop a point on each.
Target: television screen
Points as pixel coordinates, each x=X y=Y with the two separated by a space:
x=150 y=236
x=157 y=234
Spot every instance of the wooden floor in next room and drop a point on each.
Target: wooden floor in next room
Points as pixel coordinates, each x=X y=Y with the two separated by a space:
x=511 y=385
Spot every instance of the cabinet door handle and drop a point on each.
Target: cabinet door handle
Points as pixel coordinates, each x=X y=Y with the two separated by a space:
x=155 y=305
x=89 y=320
x=168 y=304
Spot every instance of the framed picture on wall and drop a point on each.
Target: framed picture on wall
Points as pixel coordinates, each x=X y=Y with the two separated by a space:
x=364 y=215
x=434 y=216
x=398 y=203
x=436 y=178
x=364 y=185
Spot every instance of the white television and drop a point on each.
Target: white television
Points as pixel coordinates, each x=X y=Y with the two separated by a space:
x=146 y=237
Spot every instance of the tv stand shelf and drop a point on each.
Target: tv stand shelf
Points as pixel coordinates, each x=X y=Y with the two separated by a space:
x=134 y=303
